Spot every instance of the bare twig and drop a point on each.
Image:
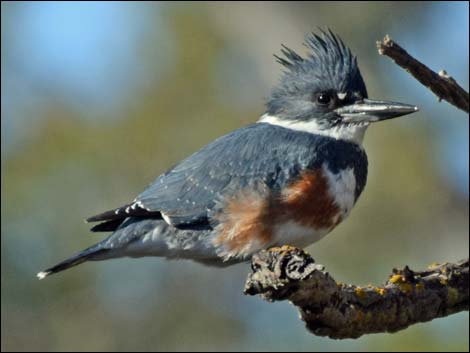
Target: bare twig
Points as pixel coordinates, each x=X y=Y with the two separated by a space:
x=348 y=311
x=442 y=85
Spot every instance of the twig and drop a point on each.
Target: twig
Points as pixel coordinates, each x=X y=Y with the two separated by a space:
x=347 y=311
x=442 y=85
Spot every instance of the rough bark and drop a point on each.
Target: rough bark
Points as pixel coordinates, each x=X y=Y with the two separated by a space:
x=341 y=311
x=441 y=84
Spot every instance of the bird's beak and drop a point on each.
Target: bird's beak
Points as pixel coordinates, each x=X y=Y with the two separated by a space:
x=369 y=111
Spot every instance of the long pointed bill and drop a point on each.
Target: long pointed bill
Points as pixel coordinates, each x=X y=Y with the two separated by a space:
x=369 y=111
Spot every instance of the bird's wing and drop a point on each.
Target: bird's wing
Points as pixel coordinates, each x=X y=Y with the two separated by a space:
x=244 y=160
x=256 y=156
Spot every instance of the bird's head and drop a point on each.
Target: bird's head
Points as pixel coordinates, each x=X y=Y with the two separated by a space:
x=324 y=93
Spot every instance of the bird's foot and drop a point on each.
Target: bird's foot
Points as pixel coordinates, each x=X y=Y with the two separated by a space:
x=283 y=249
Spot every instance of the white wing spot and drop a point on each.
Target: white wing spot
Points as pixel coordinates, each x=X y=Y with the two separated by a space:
x=166 y=218
x=42 y=275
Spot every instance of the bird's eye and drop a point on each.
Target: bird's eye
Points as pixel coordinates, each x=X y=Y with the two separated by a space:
x=323 y=98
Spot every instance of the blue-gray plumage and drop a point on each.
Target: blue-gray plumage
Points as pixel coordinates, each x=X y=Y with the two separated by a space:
x=258 y=154
x=288 y=179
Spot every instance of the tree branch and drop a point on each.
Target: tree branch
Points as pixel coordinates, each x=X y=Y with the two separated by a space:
x=341 y=310
x=442 y=85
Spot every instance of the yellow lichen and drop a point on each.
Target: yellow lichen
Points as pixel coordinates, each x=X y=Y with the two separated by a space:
x=396 y=279
x=400 y=281
x=434 y=265
x=380 y=291
x=443 y=281
x=419 y=286
x=360 y=292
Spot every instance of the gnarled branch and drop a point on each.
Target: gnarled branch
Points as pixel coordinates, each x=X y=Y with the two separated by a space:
x=341 y=310
x=441 y=84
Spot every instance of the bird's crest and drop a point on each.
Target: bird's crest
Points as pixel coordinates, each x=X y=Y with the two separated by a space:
x=326 y=50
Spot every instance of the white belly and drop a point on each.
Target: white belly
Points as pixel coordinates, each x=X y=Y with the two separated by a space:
x=295 y=234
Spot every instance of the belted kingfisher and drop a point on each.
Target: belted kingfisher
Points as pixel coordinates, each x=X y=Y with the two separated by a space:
x=288 y=179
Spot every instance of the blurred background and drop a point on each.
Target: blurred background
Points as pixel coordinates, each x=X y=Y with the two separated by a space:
x=100 y=98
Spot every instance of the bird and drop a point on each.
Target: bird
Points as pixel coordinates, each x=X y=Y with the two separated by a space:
x=287 y=179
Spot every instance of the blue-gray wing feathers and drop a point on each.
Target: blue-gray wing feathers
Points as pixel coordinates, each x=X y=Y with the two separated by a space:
x=253 y=157
x=193 y=190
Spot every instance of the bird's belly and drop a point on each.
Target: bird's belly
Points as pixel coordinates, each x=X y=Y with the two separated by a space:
x=296 y=234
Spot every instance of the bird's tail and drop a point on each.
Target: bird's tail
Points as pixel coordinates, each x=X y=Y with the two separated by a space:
x=125 y=241
x=92 y=253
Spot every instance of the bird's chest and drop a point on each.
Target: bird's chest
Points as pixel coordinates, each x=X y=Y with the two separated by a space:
x=314 y=204
x=302 y=212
